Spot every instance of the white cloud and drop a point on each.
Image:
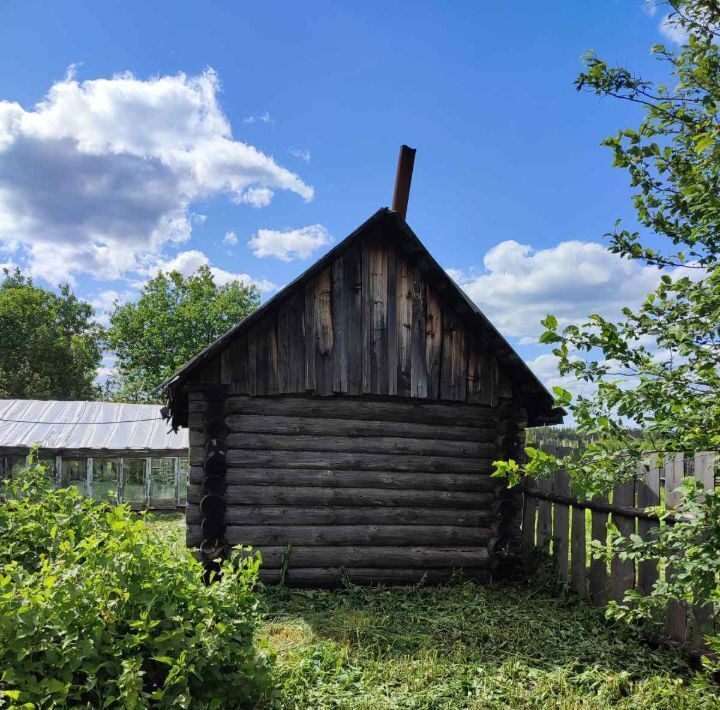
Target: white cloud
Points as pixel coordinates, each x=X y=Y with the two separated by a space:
x=650 y=7
x=290 y=244
x=230 y=238
x=104 y=303
x=300 y=153
x=672 y=31
x=188 y=262
x=101 y=174
x=571 y=280
x=262 y=118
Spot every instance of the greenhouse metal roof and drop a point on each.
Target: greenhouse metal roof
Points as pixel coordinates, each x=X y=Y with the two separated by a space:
x=87 y=427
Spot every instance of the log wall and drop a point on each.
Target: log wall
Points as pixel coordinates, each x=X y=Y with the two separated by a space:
x=387 y=491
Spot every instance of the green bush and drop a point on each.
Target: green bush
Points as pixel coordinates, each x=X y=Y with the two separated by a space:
x=96 y=611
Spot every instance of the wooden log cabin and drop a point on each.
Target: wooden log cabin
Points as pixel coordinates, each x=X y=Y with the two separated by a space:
x=348 y=426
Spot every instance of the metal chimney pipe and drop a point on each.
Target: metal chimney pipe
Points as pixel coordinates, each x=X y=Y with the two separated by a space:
x=406 y=160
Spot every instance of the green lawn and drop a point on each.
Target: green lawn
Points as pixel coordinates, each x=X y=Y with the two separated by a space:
x=460 y=646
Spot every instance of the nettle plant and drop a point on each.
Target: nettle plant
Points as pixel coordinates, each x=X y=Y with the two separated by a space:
x=96 y=611
x=655 y=372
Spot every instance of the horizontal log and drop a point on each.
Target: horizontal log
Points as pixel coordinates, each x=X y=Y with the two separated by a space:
x=308 y=496
x=317 y=426
x=354 y=479
x=389 y=445
x=317 y=577
x=334 y=535
x=349 y=461
x=351 y=515
x=384 y=557
x=360 y=408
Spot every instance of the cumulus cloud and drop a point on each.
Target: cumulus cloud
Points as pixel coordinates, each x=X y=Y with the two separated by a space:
x=230 y=238
x=102 y=174
x=290 y=244
x=571 y=280
x=188 y=262
x=672 y=30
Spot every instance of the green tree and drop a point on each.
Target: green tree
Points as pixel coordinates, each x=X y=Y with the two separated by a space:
x=174 y=318
x=49 y=343
x=656 y=371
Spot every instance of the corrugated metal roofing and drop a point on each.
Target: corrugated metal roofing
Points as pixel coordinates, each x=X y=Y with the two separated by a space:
x=86 y=425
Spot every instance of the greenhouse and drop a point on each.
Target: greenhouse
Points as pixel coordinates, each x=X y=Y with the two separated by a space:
x=109 y=451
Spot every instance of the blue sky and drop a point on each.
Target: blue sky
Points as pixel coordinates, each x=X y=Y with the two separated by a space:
x=280 y=124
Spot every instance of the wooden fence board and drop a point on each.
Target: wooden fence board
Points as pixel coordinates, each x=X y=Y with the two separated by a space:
x=622 y=572
x=676 y=616
x=648 y=495
x=561 y=522
x=598 y=575
x=578 y=573
x=529 y=517
x=702 y=614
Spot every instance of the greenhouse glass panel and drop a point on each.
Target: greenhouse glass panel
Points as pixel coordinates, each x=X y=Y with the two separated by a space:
x=183 y=482
x=162 y=485
x=105 y=479
x=133 y=481
x=74 y=473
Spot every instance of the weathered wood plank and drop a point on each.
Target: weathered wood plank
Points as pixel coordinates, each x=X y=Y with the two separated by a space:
x=529 y=518
x=578 y=560
x=342 y=460
x=340 y=294
x=702 y=614
x=404 y=299
x=334 y=535
x=598 y=575
x=316 y=426
x=392 y=321
x=433 y=342
x=350 y=515
x=364 y=444
x=474 y=371
x=622 y=572
x=352 y=265
x=308 y=496
x=648 y=495
x=676 y=613
x=309 y=331
x=360 y=409
x=252 y=369
x=418 y=365
x=453 y=373
x=375 y=347
x=323 y=340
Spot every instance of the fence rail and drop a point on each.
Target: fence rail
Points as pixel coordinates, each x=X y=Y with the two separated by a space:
x=563 y=526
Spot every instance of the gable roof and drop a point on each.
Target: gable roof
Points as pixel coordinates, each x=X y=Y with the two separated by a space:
x=538 y=400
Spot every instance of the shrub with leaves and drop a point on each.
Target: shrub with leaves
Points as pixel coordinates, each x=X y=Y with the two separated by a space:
x=96 y=611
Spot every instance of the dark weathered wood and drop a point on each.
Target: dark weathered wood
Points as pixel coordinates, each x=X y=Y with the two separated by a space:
x=316 y=426
x=324 y=339
x=622 y=572
x=544 y=519
x=702 y=614
x=352 y=265
x=404 y=300
x=348 y=515
x=561 y=526
x=329 y=578
x=348 y=461
x=598 y=575
x=474 y=371
x=374 y=295
x=418 y=364
x=529 y=520
x=308 y=496
x=309 y=331
x=578 y=561
x=490 y=377
x=453 y=414
x=433 y=342
x=361 y=444
x=252 y=370
x=334 y=535
x=392 y=321
x=648 y=495
x=355 y=479
x=377 y=556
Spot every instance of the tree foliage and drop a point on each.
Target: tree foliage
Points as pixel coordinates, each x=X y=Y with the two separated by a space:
x=174 y=318
x=49 y=343
x=656 y=370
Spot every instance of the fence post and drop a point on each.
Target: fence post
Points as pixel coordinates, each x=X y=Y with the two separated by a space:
x=578 y=559
x=598 y=576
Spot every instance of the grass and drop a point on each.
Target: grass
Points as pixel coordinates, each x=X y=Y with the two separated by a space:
x=460 y=646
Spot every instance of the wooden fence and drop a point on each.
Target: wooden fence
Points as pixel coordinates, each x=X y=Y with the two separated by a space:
x=557 y=523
